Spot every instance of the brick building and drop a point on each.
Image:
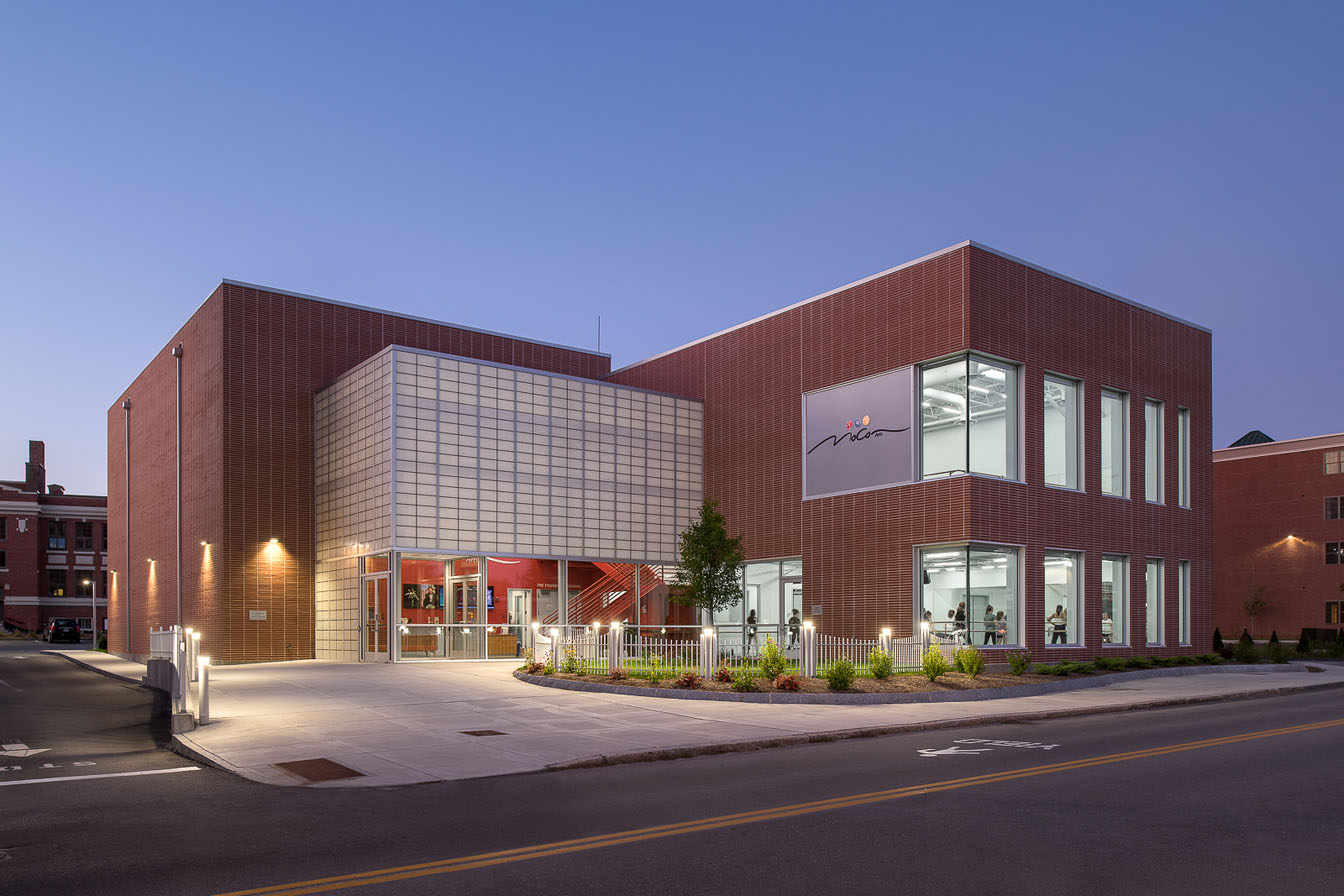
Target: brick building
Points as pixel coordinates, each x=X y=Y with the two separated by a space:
x=51 y=551
x=966 y=439
x=1279 y=535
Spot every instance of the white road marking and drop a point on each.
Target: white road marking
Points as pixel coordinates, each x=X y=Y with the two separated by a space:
x=948 y=751
x=10 y=686
x=160 y=771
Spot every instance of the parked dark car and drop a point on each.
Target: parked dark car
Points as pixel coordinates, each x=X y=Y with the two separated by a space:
x=61 y=630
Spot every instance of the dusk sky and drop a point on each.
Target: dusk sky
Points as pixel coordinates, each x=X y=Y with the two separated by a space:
x=676 y=168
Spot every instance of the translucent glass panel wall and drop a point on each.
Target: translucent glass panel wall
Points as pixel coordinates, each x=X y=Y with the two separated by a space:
x=353 y=496
x=1114 y=444
x=497 y=460
x=1063 y=597
x=968 y=419
x=1152 y=452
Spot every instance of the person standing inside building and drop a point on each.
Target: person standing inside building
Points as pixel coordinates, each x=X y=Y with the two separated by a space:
x=1060 y=620
x=751 y=630
x=989 y=624
x=795 y=623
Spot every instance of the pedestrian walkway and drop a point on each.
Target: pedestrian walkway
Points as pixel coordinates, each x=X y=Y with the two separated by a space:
x=411 y=723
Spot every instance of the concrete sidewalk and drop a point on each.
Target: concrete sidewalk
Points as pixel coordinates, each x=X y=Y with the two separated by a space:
x=410 y=723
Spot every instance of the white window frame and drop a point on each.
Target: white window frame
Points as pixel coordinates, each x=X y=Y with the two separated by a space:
x=1123 y=460
x=1076 y=444
x=1154 y=449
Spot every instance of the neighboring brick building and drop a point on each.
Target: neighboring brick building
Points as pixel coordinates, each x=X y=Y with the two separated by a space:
x=966 y=429
x=1279 y=535
x=51 y=550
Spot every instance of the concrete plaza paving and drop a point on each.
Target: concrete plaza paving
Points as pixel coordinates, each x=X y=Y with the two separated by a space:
x=409 y=723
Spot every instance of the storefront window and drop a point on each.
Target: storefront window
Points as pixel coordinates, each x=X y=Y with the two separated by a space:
x=971 y=592
x=1062 y=433
x=968 y=419
x=1115 y=600
x=1063 y=597
x=1114 y=444
x=1153 y=580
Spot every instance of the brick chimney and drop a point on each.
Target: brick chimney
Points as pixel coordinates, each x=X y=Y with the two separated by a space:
x=35 y=472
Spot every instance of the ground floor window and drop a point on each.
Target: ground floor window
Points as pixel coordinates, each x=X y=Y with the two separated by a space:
x=1184 y=595
x=771 y=607
x=1063 y=598
x=970 y=591
x=1114 y=600
x=1153 y=612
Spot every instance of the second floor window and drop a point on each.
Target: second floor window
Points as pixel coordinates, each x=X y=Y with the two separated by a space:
x=1332 y=507
x=56 y=535
x=83 y=536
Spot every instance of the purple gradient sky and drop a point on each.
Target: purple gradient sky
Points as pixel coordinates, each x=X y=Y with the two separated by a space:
x=675 y=168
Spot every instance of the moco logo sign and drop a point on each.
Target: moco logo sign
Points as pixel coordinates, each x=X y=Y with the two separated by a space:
x=859 y=436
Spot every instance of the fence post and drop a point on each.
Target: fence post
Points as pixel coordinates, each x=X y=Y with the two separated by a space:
x=709 y=651
x=809 y=649
x=555 y=649
x=614 y=647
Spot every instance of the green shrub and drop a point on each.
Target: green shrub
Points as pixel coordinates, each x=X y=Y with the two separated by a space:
x=1108 y=663
x=1066 y=668
x=787 y=682
x=570 y=665
x=102 y=642
x=1274 y=636
x=840 y=675
x=970 y=661
x=1277 y=653
x=1019 y=661
x=653 y=669
x=1163 y=662
x=744 y=681
x=773 y=662
x=933 y=663
x=1245 y=651
x=1217 y=640
x=1211 y=659
x=881 y=664
x=1245 y=638
x=1139 y=662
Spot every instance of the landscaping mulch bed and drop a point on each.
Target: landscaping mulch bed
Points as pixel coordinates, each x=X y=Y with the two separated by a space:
x=896 y=684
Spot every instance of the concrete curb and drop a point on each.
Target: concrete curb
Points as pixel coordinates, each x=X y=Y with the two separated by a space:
x=932 y=725
x=841 y=699
x=95 y=667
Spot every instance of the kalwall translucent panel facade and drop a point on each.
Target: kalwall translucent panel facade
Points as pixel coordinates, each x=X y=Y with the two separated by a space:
x=442 y=455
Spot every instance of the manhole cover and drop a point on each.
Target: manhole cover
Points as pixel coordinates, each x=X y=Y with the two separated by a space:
x=484 y=733
x=315 y=770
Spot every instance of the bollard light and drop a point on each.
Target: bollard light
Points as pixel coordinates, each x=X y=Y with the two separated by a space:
x=886 y=633
x=555 y=633
x=807 y=623
x=203 y=702
x=707 y=631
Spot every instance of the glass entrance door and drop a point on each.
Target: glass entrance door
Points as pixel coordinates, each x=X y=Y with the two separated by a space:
x=375 y=619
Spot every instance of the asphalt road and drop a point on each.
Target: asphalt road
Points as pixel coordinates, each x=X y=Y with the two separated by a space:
x=1217 y=798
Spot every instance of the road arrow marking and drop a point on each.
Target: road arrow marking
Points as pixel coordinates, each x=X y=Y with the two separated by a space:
x=948 y=751
x=20 y=750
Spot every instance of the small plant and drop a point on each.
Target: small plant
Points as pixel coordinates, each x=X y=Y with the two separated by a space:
x=744 y=681
x=1211 y=659
x=1277 y=653
x=773 y=661
x=654 y=669
x=881 y=664
x=933 y=663
x=1274 y=636
x=618 y=675
x=1139 y=662
x=570 y=665
x=1108 y=663
x=787 y=682
x=534 y=668
x=840 y=676
x=1019 y=661
x=724 y=675
x=970 y=661
x=688 y=680
x=1217 y=641
x=1245 y=651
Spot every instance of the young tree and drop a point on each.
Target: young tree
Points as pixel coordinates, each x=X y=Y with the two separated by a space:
x=709 y=576
x=1256 y=605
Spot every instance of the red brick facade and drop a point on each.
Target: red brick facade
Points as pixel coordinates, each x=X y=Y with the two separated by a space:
x=1271 y=533
x=252 y=360
x=30 y=552
x=858 y=549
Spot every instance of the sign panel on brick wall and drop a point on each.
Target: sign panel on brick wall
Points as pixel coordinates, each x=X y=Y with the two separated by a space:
x=859 y=436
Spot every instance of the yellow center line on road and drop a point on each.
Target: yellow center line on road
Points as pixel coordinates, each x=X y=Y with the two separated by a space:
x=600 y=841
